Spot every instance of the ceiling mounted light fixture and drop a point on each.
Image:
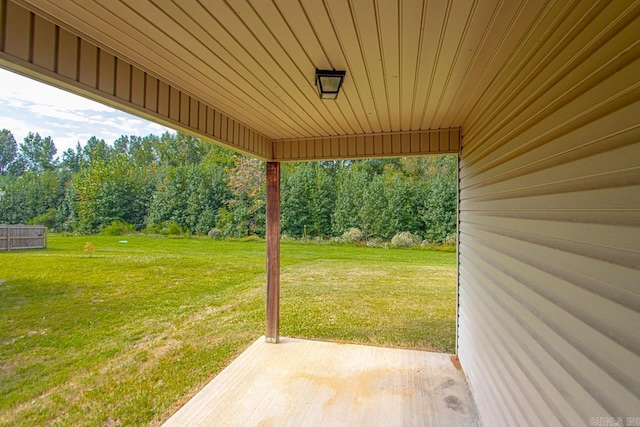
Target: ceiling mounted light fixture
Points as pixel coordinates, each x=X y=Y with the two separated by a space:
x=329 y=83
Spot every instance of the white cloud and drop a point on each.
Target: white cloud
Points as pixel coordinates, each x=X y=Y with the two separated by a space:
x=15 y=103
x=50 y=111
x=19 y=128
x=16 y=87
x=60 y=125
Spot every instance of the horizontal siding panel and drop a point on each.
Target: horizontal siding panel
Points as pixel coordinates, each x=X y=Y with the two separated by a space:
x=620 y=129
x=549 y=211
x=617 y=218
x=523 y=369
x=602 y=199
x=508 y=393
x=568 y=186
x=554 y=384
x=569 y=291
x=581 y=111
x=608 y=236
x=554 y=330
x=554 y=66
x=580 y=97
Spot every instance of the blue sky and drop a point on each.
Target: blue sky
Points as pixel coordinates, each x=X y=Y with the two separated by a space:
x=30 y=106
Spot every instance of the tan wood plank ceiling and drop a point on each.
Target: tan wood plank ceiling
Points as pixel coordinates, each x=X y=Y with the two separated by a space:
x=411 y=64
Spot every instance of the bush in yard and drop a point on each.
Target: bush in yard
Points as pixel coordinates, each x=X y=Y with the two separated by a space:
x=352 y=235
x=405 y=240
x=152 y=229
x=215 y=233
x=451 y=239
x=376 y=242
x=172 y=228
x=118 y=228
x=48 y=219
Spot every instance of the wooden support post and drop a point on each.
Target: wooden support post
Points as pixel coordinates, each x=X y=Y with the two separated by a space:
x=273 y=252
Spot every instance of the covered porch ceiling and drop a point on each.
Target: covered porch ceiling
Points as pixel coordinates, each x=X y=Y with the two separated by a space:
x=241 y=73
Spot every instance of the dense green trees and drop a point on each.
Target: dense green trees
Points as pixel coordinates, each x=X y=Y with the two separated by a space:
x=178 y=183
x=114 y=190
x=31 y=194
x=8 y=149
x=307 y=200
x=37 y=153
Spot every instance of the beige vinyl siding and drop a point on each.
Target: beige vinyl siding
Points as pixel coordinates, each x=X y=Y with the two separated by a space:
x=35 y=46
x=549 y=254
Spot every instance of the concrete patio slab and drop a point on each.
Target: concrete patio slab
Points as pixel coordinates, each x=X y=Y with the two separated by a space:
x=310 y=383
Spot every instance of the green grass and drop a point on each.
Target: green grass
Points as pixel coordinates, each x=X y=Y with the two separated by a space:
x=125 y=334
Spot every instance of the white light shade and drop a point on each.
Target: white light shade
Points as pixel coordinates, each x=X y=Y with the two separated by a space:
x=329 y=83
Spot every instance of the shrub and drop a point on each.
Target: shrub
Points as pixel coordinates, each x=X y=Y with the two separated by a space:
x=451 y=239
x=89 y=248
x=215 y=233
x=118 y=228
x=376 y=242
x=48 y=219
x=405 y=240
x=172 y=228
x=152 y=229
x=352 y=235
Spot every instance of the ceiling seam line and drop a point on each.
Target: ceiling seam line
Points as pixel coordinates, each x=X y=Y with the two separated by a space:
x=355 y=85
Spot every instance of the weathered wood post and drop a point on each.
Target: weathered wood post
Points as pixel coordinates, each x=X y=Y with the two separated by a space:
x=273 y=252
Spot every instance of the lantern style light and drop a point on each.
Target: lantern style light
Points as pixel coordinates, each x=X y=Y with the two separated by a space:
x=329 y=83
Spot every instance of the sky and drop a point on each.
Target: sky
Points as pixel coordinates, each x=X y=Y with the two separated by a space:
x=27 y=105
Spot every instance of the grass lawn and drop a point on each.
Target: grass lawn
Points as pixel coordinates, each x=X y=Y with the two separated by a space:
x=127 y=333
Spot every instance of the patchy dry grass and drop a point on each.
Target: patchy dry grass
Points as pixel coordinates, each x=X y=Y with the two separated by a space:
x=400 y=305
x=126 y=334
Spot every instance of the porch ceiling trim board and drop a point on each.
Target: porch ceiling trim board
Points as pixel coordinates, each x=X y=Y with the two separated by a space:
x=33 y=46
x=389 y=144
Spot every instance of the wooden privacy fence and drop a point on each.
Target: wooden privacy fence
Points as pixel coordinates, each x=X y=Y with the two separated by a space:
x=13 y=237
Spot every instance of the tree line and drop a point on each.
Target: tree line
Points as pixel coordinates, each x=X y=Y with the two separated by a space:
x=175 y=183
